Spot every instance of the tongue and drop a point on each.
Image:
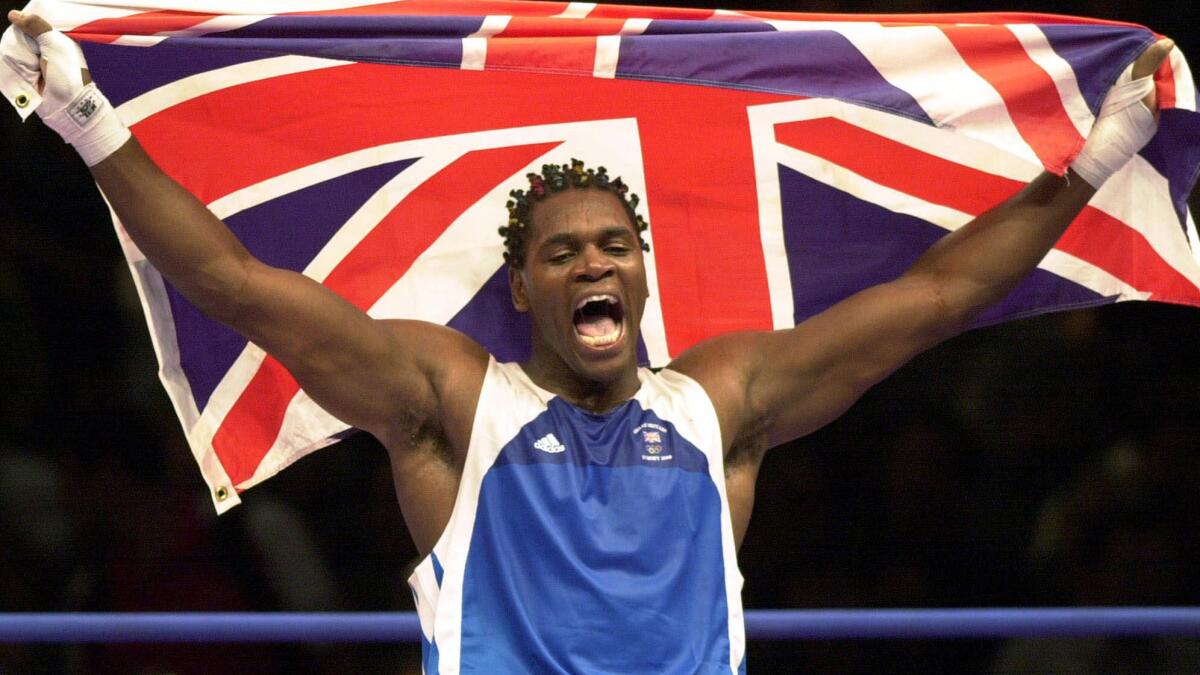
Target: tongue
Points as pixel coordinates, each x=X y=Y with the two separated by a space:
x=595 y=326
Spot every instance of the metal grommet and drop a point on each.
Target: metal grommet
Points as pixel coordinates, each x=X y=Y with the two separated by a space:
x=222 y=493
x=22 y=100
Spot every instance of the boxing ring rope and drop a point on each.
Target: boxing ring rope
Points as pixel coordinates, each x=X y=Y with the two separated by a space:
x=815 y=624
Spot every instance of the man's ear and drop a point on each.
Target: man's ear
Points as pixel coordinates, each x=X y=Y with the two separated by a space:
x=516 y=286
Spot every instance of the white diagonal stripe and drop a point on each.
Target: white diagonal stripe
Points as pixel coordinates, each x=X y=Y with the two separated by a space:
x=931 y=70
x=138 y=41
x=608 y=53
x=217 y=24
x=474 y=53
x=158 y=99
x=67 y=16
x=576 y=10
x=634 y=26
x=1192 y=236
x=1185 y=87
x=1153 y=214
x=1042 y=53
x=492 y=25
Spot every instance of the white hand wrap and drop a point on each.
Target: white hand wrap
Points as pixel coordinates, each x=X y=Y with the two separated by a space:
x=78 y=112
x=1123 y=127
x=20 y=71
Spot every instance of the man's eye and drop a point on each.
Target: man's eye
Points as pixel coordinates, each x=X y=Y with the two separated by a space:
x=560 y=257
x=617 y=249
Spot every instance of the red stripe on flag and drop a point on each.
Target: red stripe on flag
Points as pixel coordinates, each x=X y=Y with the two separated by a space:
x=144 y=23
x=998 y=57
x=253 y=423
x=931 y=178
x=1122 y=251
x=443 y=8
x=1094 y=237
x=711 y=272
x=387 y=252
x=520 y=26
x=644 y=12
x=1164 y=84
x=563 y=55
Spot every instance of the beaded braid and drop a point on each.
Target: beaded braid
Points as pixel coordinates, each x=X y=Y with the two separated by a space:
x=556 y=178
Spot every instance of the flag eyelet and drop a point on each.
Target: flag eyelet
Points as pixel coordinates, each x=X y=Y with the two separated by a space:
x=222 y=493
x=22 y=100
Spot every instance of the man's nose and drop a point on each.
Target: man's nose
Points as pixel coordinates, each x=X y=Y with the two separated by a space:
x=593 y=265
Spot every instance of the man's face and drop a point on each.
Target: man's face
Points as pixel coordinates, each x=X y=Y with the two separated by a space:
x=583 y=282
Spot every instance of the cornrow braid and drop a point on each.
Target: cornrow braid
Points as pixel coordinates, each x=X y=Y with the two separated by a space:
x=556 y=178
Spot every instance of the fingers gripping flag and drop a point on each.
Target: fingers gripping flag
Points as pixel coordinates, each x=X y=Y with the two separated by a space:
x=785 y=160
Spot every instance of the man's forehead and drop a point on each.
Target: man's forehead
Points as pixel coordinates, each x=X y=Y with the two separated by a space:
x=579 y=210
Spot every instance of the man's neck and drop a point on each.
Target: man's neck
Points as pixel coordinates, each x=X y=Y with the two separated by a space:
x=590 y=394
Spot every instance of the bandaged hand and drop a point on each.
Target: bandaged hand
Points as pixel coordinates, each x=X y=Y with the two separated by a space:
x=1127 y=119
x=74 y=108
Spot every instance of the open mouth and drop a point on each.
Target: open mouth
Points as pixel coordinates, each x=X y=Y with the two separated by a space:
x=598 y=320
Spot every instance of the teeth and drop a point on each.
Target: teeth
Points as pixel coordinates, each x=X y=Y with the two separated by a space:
x=601 y=340
x=612 y=300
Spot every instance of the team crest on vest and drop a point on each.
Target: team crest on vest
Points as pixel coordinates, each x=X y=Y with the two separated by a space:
x=652 y=441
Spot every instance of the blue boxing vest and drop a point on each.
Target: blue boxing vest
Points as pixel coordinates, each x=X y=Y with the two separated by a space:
x=583 y=542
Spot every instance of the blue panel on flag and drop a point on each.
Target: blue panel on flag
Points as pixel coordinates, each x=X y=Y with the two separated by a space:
x=493 y=322
x=412 y=51
x=124 y=72
x=1097 y=54
x=1175 y=153
x=286 y=232
x=809 y=63
x=359 y=27
x=838 y=244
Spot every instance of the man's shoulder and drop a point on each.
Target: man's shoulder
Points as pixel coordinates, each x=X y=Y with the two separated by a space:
x=723 y=367
x=454 y=366
x=723 y=361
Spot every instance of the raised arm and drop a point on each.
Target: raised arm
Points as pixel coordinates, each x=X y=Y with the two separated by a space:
x=386 y=377
x=770 y=388
x=389 y=378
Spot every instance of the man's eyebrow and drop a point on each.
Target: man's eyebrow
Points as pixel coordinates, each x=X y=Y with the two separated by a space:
x=569 y=239
x=560 y=238
x=616 y=231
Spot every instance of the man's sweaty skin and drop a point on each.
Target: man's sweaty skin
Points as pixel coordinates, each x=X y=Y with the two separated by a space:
x=415 y=385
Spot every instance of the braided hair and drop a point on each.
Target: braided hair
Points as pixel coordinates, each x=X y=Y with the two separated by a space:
x=556 y=178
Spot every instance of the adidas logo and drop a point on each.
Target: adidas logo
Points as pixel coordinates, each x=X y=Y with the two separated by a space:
x=550 y=444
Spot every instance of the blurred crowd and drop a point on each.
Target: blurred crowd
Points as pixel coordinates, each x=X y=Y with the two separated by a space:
x=1050 y=461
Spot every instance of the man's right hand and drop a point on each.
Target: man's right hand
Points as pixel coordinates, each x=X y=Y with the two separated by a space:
x=71 y=104
x=34 y=26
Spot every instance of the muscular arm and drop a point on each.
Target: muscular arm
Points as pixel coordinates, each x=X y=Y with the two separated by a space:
x=361 y=370
x=792 y=382
x=770 y=388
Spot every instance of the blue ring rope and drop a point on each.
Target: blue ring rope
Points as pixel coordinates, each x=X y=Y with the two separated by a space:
x=818 y=624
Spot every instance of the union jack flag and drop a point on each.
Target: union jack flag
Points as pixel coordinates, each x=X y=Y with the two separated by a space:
x=785 y=161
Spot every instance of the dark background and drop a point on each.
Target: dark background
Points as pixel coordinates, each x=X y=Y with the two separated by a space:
x=1051 y=461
